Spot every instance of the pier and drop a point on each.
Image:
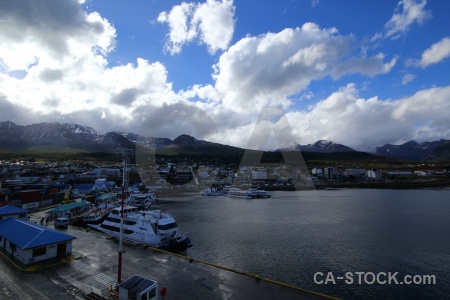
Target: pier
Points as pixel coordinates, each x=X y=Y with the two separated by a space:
x=93 y=270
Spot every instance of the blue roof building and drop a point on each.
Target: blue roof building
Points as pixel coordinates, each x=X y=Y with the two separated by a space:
x=29 y=242
x=138 y=287
x=8 y=211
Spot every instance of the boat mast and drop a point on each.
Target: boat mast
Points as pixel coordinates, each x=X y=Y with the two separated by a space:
x=124 y=153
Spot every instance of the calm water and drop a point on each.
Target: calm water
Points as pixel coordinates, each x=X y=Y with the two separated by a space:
x=293 y=235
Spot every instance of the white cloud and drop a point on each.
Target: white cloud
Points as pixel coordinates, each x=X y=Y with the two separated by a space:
x=67 y=72
x=51 y=33
x=307 y=96
x=344 y=117
x=412 y=11
x=66 y=77
x=211 y=22
x=407 y=78
x=267 y=69
x=436 y=53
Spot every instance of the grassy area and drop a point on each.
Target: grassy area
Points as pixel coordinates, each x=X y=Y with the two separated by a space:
x=340 y=160
x=56 y=156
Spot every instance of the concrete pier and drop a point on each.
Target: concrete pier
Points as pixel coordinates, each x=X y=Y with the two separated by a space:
x=93 y=269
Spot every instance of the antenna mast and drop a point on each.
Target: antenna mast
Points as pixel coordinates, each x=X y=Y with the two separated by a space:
x=125 y=154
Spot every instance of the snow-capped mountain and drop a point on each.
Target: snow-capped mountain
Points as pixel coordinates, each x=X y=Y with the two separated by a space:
x=13 y=136
x=51 y=136
x=56 y=135
x=413 y=150
x=319 y=146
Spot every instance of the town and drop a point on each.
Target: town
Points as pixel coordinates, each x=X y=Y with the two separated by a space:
x=32 y=184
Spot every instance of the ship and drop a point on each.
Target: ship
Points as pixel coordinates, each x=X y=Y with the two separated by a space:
x=141 y=200
x=211 y=192
x=152 y=228
x=236 y=192
x=260 y=193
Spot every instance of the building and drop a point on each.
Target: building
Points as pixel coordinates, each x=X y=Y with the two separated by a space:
x=7 y=212
x=69 y=210
x=374 y=174
x=355 y=172
x=317 y=171
x=28 y=242
x=138 y=287
x=259 y=175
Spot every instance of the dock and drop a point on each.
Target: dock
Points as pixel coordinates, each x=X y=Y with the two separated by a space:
x=92 y=270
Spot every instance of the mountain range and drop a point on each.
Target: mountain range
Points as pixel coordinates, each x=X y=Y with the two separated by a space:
x=61 y=137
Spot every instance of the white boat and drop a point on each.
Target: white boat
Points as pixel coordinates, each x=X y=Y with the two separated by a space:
x=211 y=192
x=152 y=228
x=141 y=200
x=97 y=214
x=261 y=193
x=226 y=189
x=235 y=192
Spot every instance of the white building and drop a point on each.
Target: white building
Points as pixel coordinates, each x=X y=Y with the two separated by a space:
x=317 y=171
x=259 y=175
x=374 y=175
x=28 y=242
x=355 y=172
x=7 y=212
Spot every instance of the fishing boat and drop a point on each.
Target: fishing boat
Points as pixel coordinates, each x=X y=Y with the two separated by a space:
x=152 y=228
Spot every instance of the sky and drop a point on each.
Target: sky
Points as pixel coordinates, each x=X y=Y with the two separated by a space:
x=359 y=73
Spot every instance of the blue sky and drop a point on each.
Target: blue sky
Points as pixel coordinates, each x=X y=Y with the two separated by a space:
x=361 y=73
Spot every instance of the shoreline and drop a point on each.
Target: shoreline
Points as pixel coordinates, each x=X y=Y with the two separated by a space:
x=391 y=185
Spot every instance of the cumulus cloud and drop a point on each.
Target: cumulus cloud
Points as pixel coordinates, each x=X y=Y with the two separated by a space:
x=49 y=32
x=436 y=53
x=66 y=77
x=61 y=53
x=267 y=69
x=211 y=22
x=411 y=12
x=344 y=117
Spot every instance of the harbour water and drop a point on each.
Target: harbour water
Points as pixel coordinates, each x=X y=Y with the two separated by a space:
x=293 y=235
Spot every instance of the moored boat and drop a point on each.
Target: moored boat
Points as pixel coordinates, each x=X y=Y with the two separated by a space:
x=97 y=214
x=261 y=193
x=236 y=192
x=141 y=200
x=211 y=192
x=152 y=228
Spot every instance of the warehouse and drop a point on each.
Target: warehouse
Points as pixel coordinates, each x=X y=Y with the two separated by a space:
x=28 y=242
x=7 y=212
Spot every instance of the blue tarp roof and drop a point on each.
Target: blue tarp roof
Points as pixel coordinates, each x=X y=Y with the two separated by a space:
x=27 y=235
x=11 y=210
